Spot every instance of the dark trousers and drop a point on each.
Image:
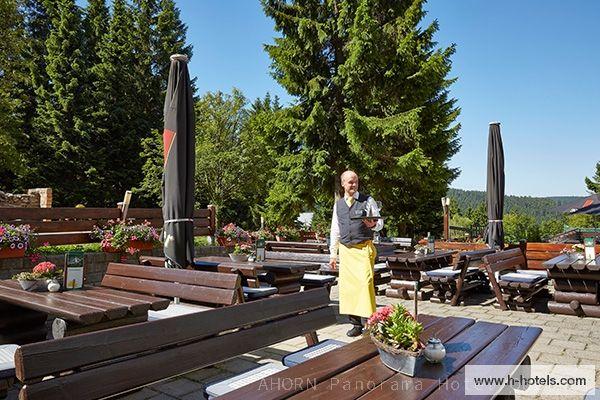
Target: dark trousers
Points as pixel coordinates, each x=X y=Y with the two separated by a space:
x=356 y=320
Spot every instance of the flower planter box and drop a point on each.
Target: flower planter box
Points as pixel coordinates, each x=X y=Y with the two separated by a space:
x=12 y=253
x=136 y=244
x=226 y=242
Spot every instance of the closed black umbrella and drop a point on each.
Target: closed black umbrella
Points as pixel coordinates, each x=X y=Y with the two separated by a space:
x=178 y=176
x=495 y=188
x=593 y=209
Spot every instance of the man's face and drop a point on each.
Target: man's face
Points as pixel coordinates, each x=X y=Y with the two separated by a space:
x=350 y=184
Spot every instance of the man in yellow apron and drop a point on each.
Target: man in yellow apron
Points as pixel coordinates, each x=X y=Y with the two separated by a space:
x=354 y=239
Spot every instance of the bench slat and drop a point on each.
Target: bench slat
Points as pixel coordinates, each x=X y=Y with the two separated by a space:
x=39 y=359
x=160 y=288
x=200 y=278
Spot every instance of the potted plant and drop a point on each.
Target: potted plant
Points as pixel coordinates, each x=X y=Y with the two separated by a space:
x=263 y=234
x=14 y=240
x=27 y=280
x=395 y=332
x=289 y=234
x=44 y=275
x=130 y=238
x=241 y=252
x=48 y=272
x=577 y=250
x=230 y=235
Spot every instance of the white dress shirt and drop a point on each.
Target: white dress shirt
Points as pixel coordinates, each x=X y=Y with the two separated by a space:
x=334 y=239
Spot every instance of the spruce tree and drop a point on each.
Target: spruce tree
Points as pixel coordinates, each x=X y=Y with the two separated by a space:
x=117 y=137
x=593 y=184
x=12 y=75
x=372 y=95
x=61 y=119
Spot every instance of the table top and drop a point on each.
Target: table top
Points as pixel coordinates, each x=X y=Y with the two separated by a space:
x=87 y=306
x=274 y=266
x=565 y=261
x=411 y=257
x=356 y=370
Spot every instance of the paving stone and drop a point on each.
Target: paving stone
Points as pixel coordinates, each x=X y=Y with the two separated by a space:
x=163 y=396
x=143 y=394
x=179 y=387
x=568 y=344
x=203 y=374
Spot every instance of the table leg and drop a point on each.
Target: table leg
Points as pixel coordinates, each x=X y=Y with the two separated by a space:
x=62 y=328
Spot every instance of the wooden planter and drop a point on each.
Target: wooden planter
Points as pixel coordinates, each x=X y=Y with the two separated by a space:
x=12 y=253
x=136 y=244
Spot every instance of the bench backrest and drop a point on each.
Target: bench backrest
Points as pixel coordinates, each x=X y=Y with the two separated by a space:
x=471 y=258
x=297 y=247
x=300 y=257
x=111 y=361
x=512 y=259
x=200 y=286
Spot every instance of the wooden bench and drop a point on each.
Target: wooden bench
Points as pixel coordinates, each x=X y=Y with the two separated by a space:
x=205 y=289
x=297 y=247
x=116 y=360
x=512 y=286
x=453 y=283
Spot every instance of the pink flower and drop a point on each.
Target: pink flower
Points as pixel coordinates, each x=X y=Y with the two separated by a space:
x=2 y=230
x=44 y=267
x=34 y=258
x=133 y=237
x=131 y=250
x=46 y=244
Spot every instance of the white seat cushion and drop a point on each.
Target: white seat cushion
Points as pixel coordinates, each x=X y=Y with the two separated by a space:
x=236 y=382
x=380 y=267
x=175 y=310
x=521 y=277
x=447 y=271
x=318 y=278
x=543 y=274
x=7 y=359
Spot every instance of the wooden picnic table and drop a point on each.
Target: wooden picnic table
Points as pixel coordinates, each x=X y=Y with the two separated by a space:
x=576 y=283
x=23 y=313
x=355 y=370
x=282 y=274
x=406 y=271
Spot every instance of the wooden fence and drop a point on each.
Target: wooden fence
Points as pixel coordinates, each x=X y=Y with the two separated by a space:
x=536 y=253
x=73 y=225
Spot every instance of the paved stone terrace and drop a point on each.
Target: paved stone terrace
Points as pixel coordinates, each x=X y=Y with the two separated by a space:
x=564 y=340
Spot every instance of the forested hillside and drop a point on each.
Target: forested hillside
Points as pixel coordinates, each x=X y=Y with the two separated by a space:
x=541 y=208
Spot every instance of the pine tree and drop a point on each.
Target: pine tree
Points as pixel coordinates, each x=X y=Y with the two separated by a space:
x=372 y=95
x=593 y=184
x=12 y=75
x=95 y=26
x=61 y=119
x=116 y=142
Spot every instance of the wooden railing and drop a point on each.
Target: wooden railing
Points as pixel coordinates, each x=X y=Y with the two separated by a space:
x=73 y=225
x=536 y=253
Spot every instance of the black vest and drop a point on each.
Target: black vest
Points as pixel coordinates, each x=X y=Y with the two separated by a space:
x=352 y=231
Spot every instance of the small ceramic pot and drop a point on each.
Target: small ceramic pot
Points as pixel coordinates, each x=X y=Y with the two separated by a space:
x=238 y=257
x=434 y=351
x=53 y=285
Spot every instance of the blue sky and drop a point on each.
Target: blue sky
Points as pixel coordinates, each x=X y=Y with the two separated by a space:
x=532 y=65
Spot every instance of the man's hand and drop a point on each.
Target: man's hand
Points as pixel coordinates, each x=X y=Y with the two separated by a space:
x=332 y=263
x=369 y=223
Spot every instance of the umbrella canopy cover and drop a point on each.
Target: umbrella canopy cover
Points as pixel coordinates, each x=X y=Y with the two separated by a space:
x=495 y=188
x=179 y=161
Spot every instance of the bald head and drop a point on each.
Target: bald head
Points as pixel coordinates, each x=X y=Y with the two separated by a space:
x=347 y=175
x=349 y=183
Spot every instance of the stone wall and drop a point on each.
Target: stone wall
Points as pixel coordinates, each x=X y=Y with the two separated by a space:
x=34 y=198
x=95 y=263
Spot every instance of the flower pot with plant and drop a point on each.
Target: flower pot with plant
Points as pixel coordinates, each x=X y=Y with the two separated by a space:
x=27 y=280
x=395 y=333
x=14 y=240
x=241 y=252
x=230 y=235
x=287 y=234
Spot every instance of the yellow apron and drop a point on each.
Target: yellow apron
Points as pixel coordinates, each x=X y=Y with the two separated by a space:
x=357 y=292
